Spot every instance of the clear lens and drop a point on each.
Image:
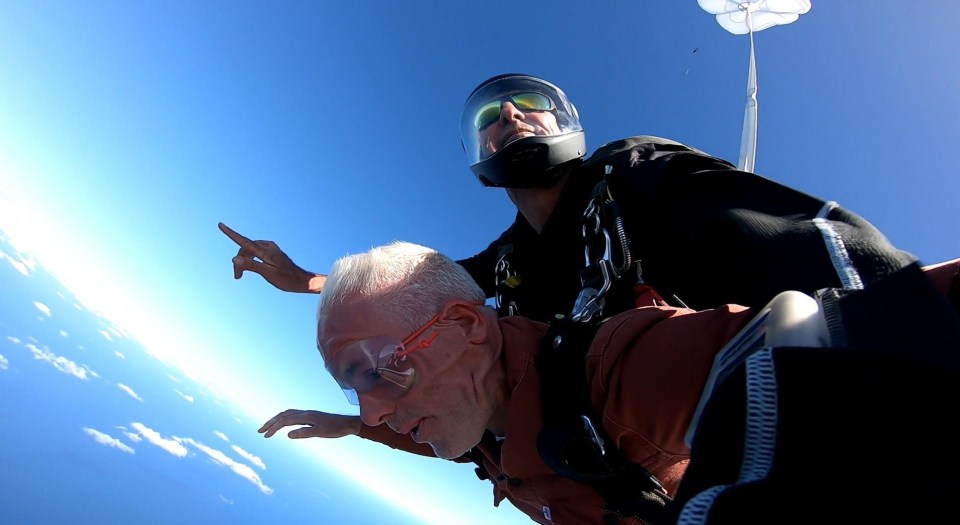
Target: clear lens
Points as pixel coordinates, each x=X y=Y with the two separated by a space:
x=376 y=365
x=352 y=396
x=380 y=363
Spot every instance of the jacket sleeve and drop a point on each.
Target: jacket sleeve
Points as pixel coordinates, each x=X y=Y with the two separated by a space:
x=647 y=368
x=385 y=435
x=705 y=230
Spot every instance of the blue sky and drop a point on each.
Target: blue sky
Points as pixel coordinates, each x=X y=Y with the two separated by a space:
x=129 y=129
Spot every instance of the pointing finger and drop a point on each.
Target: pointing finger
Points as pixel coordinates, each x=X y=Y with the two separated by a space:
x=234 y=236
x=248 y=248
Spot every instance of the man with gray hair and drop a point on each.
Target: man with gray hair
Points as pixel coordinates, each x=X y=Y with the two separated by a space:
x=404 y=332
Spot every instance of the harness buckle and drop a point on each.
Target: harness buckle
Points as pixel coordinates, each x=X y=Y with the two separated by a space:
x=594 y=435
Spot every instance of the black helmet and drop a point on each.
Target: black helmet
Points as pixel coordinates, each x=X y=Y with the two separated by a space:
x=505 y=161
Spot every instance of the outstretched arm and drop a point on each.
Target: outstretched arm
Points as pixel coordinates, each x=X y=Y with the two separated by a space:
x=312 y=423
x=268 y=260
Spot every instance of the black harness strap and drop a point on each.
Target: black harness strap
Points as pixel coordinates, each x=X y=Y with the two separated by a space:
x=606 y=252
x=572 y=441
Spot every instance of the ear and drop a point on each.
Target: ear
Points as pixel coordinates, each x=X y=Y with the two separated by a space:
x=469 y=318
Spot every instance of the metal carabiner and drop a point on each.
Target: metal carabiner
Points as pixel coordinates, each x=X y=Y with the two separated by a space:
x=504 y=277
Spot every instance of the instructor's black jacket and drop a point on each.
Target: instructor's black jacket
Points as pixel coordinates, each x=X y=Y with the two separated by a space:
x=702 y=230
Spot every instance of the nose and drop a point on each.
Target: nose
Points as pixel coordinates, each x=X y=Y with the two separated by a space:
x=510 y=112
x=374 y=411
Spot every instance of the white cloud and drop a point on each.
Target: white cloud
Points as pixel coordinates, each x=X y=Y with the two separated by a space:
x=172 y=446
x=240 y=469
x=119 y=354
x=189 y=398
x=13 y=339
x=225 y=499
x=44 y=309
x=130 y=391
x=4 y=364
x=18 y=263
x=63 y=333
x=173 y=378
x=221 y=435
x=250 y=457
x=132 y=436
x=61 y=363
x=106 y=335
x=105 y=439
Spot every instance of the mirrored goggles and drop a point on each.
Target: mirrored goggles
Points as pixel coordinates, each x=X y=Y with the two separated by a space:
x=490 y=112
x=380 y=365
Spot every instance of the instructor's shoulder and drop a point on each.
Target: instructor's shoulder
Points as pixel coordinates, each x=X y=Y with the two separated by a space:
x=638 y=148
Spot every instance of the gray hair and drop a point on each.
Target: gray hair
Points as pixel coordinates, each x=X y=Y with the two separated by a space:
x=406 y=280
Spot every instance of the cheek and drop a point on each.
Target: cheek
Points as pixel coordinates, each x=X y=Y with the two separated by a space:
x=546 y=121
x=487 y=142
x=446 y=399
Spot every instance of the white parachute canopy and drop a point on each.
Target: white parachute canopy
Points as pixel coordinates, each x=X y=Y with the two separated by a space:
x=748 y=17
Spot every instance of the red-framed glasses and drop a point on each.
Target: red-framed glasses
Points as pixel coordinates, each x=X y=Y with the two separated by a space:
x=380 y=364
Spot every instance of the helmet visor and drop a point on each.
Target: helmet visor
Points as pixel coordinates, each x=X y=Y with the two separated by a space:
x=480 y=136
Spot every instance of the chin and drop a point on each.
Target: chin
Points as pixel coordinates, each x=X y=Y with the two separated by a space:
x=443 y=451
x=449 y=450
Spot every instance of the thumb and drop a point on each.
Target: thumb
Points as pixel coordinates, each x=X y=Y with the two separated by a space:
x=241 y=264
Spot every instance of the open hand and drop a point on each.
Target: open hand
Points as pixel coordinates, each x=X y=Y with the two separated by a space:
x=314 y=424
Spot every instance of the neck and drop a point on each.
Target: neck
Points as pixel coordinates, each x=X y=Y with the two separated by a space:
x=537 y=204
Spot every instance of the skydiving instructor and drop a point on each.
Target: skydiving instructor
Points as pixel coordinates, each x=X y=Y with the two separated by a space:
x=684 y=227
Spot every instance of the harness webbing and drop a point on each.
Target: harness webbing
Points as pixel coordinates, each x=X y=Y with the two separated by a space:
x=573 y=443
